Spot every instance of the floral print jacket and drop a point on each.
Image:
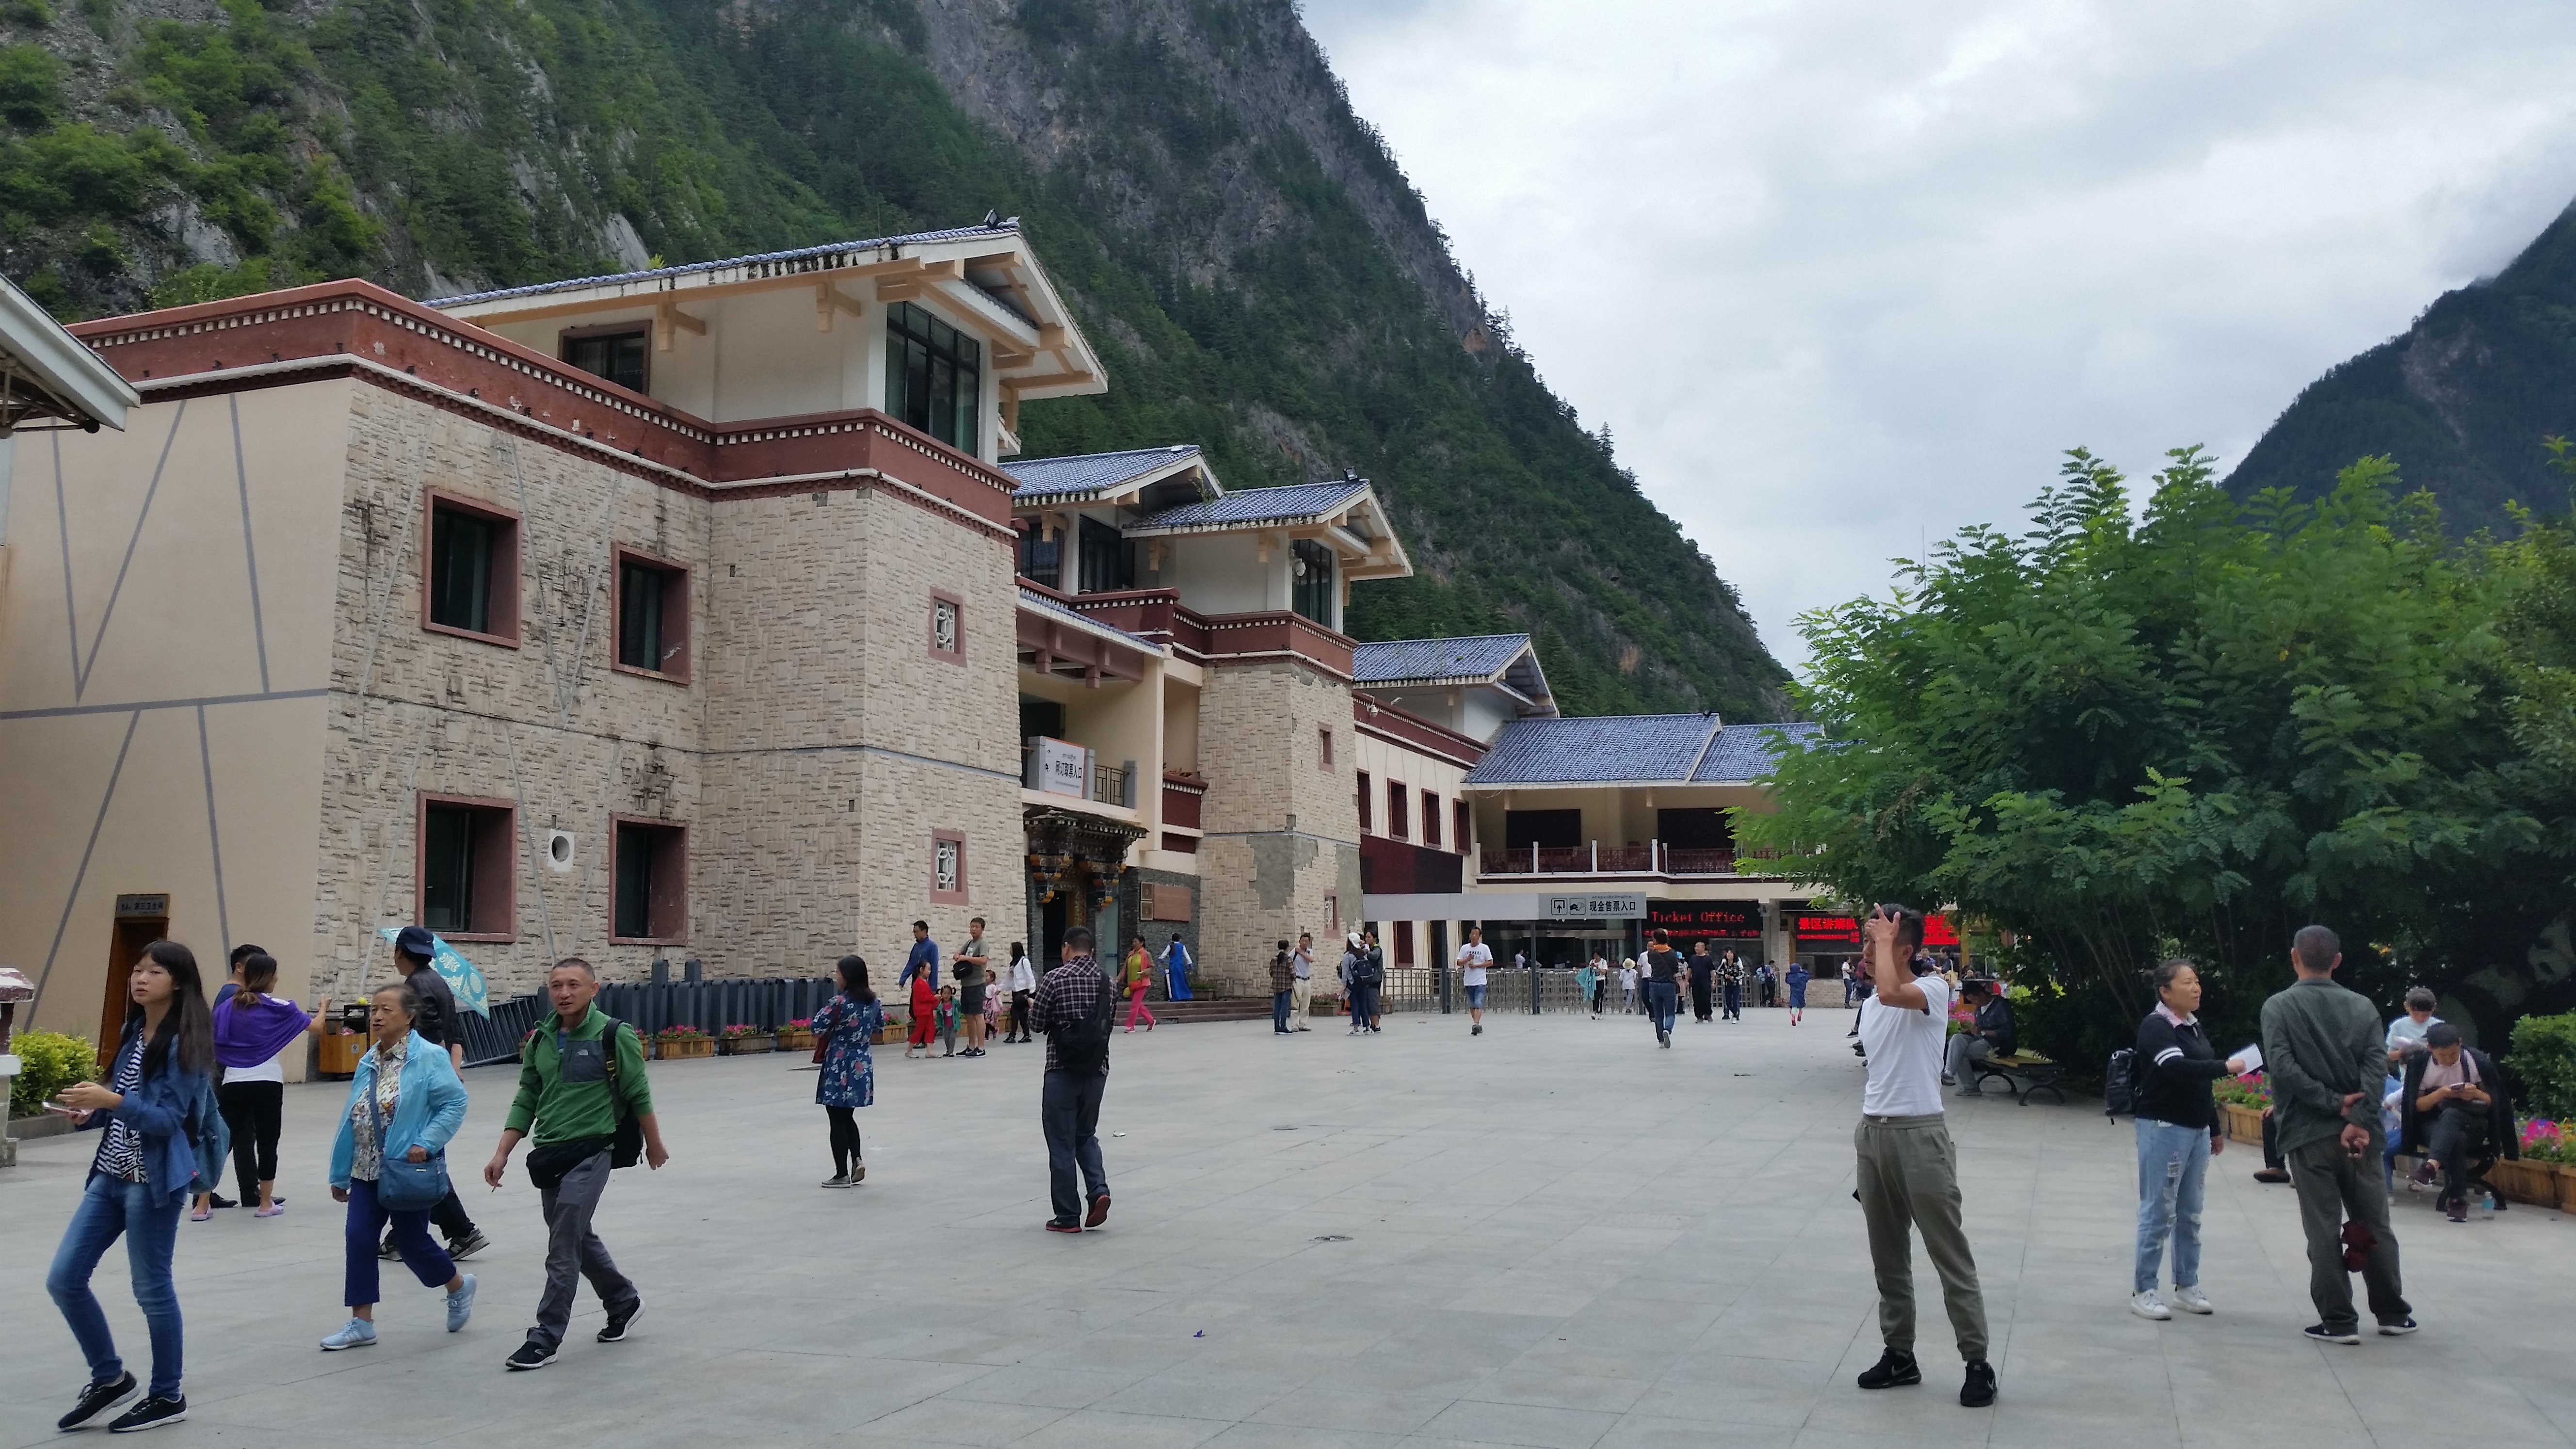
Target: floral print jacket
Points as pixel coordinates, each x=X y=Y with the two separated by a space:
x=846 y=1028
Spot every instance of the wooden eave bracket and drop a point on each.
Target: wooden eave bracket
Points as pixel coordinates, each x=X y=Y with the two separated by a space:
x=669 y=320
x=828 y=301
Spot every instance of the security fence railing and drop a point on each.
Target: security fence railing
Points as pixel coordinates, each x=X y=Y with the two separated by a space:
x=709 y=1005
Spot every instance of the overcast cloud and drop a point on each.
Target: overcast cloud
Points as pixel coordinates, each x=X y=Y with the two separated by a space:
x=1843 y=276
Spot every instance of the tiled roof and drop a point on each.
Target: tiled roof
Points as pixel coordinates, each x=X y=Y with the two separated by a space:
x=1543 y=750
x=1295 y=503
x=1032 y=599
x=917 y=238
x=1743 y=752
x=1396 y=661
x=1088 y=472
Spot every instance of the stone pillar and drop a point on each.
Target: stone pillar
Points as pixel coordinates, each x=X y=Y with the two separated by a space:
x=1282 y=833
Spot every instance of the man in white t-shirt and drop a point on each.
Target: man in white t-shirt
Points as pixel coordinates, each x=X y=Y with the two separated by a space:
x=1473 y=958
x=1909 y=1172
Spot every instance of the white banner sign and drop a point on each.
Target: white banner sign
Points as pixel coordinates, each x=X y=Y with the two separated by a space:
x=1615 y=906
x=1064 y=768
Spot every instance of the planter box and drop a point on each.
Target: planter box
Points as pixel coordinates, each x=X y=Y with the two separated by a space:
x=745 y=1046
x=2566 y=1172
x=43 y=1124
x=796 y=1041
x=2529 y=1182
x=2244 y=1124
x=673 y=1049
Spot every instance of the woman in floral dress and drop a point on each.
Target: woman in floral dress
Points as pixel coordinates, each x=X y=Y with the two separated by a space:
x=845 y=1028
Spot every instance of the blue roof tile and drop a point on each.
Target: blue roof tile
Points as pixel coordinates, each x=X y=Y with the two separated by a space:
x=1395 y=661
x=1292 y=504
x=1743 y=752
x=1542 y=750
x=1088 y=472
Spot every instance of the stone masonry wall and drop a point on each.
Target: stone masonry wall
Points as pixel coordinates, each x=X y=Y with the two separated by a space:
x=1282 y=849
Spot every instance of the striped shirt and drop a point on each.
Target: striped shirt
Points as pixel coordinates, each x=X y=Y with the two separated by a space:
x=119 y=1154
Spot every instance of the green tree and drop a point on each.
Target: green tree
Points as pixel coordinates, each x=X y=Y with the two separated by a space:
x=2186 y=732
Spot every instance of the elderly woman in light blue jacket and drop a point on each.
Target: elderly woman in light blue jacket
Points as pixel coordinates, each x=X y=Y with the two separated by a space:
x=405 y=1102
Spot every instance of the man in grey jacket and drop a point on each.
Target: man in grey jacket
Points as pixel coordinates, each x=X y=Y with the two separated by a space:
x=2326 y=1059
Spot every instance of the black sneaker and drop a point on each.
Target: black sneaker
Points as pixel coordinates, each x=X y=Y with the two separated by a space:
x=614 y=1331
x=218 y=1200
x=528 y=1356
x=467 y=1246
x=1979 y=1390
x=2323 y=1334
x=1895 y=1369
x=2399 y=1329
x=385 y=1250
x=152 y=1413
x=97 y=1399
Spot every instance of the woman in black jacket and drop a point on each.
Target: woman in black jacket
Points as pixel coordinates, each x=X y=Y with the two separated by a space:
x=2178 y=1133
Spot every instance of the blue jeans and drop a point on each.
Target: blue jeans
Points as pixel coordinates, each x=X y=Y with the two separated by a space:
x=1069 y=1111
x=148 y=1217
x=366 y=1220
x=2172 y=1160
x=1475 y=998
x=1663 y=998
x=1279 y=1011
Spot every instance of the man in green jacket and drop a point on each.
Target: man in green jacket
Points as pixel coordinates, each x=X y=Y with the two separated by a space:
x=575 y=1080
x=2323 y=1052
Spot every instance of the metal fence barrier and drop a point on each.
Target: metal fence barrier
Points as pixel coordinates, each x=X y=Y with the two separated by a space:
x=709 y=1005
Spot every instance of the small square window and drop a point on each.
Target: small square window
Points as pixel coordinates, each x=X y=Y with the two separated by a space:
x=1323 y=747
x=652 y=615
x=650 y=863
x=467 y=886
x=947 y=627
x=947 y=868
x=471 y=584
x=620 y=355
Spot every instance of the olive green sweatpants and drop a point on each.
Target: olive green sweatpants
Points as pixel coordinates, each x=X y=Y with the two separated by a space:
x=1909 y=1178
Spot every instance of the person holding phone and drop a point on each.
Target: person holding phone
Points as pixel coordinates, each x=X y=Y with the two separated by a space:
x=2326 y=1057
x=2455 y=1108
x=157 y=1092
x=1908 y=1169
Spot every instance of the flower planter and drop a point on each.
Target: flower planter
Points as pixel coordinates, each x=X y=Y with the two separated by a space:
x=2528 y=1182
x=744 y=1046
x=796 y=1041
x=680 y=1048
x=2244 y=1124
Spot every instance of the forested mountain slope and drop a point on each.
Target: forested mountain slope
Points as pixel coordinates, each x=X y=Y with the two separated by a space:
x=1252 y=265
x=2462 y=400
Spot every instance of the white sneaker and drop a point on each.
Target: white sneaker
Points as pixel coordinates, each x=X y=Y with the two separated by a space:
x=2148 y=1305
x=2190 y=1299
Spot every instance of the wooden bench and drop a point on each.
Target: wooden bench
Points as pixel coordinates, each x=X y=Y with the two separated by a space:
x=2023 y=1074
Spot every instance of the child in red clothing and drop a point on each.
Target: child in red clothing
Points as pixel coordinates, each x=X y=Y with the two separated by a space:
x=925 y=1012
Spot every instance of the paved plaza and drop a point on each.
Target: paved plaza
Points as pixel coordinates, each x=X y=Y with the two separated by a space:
x=1552 y=1235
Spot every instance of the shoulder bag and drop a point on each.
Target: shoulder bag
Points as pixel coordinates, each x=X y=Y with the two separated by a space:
x=402 y=1185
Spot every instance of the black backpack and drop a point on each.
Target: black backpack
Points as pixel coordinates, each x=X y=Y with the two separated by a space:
x=2119 y=1093
x=1082 y=1042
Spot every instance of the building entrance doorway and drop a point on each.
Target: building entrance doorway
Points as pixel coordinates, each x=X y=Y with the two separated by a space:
x=132 y=934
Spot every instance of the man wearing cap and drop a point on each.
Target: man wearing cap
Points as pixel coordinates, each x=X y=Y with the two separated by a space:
x=440 y=1025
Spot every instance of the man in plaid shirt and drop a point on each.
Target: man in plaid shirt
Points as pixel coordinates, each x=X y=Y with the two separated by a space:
x=1069 y=1109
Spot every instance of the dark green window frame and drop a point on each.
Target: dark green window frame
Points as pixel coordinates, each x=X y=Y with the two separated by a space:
x=934 y=377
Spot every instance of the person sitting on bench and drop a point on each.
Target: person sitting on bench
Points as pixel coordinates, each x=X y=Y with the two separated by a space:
x=2456 y=1110
x=1991 y=1036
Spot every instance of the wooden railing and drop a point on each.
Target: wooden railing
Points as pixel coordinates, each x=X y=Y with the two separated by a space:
x=1652 y=858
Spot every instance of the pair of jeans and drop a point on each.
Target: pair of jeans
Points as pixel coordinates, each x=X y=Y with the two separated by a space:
x=1909 y=1179
x=1735 y=1000
x=2173 y=1160
x=147 y=1215
x=367 y=1217
x=1069 y=1113
x=1279 y=1004
x=1663 y=1000
x=448 y=1216
x=253 y=1113
x=2457 y=1133
x=2334 y=1185
x=1364 y=1005
x=574 y=1252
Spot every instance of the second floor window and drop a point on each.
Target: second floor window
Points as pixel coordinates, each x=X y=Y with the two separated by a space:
x=1365 y=823
x=1431 y=820
x=1395 y=812
x=618 y=357
x=1311 y=563
x=934 y=376
x=1108 y=559
x=1038 y=558
x=473 y=582
x=652 y=616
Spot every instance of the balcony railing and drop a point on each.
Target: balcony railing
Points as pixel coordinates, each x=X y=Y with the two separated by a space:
x=1652 y=858
x=1105 y=784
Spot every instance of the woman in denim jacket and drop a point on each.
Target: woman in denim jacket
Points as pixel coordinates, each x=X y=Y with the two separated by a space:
x=156 y=1087
x=406 y=1090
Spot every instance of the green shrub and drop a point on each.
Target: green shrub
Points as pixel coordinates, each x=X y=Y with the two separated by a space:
x=48 y=1061
x=31 y=86
x=2544 y=1057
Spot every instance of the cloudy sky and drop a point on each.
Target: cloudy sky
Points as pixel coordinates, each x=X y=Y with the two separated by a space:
x=1841 y=277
